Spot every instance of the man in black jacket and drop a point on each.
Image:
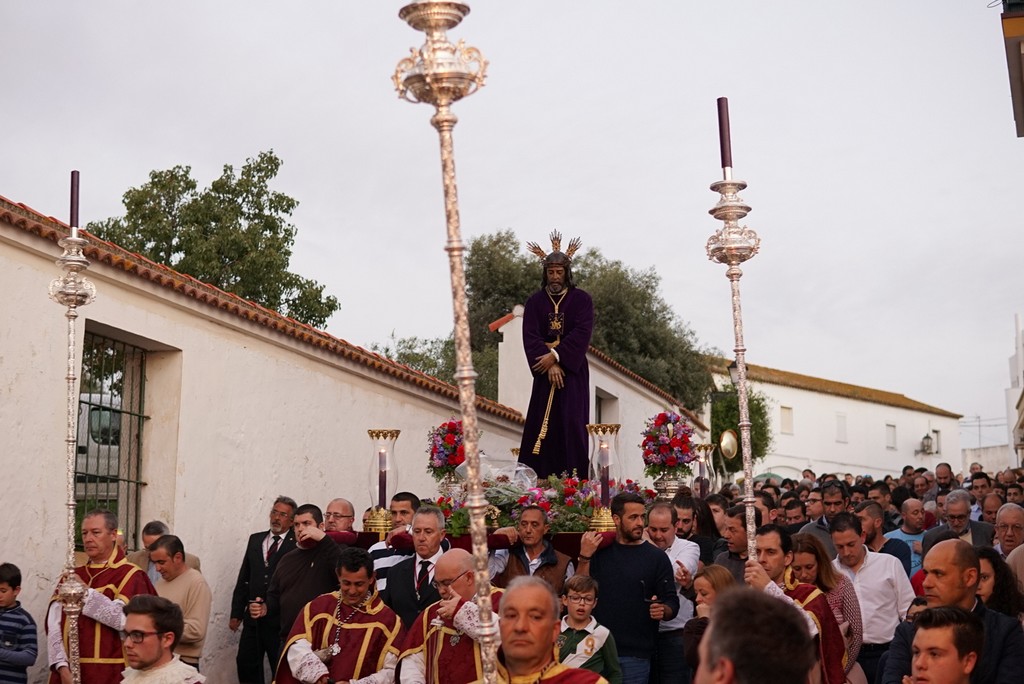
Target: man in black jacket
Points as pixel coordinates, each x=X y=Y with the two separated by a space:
x=951 y=579
x=958 y=512
x=410 y=586
x=260 y=637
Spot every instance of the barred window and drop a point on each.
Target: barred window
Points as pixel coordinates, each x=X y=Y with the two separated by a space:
x=110 y=418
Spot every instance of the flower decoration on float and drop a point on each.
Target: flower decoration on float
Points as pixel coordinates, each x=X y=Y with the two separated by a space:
x=667 y=445
x=444 y=449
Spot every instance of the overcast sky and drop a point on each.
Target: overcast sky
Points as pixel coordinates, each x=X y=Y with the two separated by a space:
x=877 y=138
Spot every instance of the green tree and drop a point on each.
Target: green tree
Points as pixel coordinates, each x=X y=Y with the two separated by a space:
x=498 y=276
x=635 y=326
x=725 y=415
x=235 y=235
x=436 y=357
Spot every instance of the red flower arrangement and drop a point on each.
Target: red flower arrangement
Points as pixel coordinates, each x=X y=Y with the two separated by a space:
x=445 y=449
x=667 y=445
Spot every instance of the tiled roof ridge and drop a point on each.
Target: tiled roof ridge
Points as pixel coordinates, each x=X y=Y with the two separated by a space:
x=99 y=250
x=834 y=387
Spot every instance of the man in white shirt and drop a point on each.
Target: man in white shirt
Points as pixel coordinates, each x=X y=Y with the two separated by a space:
x=668 y=664
x=883 y=590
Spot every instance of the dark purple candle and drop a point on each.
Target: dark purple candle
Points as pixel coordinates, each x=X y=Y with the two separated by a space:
x=382 y=478
x=74 y=202
x=724 y=139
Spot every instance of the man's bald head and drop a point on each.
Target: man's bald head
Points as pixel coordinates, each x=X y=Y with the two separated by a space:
x=454 y=574
x=339 y=516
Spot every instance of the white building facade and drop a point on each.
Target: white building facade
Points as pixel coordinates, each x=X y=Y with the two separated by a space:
x=1015 y=398
x=834 y=427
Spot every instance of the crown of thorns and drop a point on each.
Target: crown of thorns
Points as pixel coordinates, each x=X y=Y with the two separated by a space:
x=556 y=246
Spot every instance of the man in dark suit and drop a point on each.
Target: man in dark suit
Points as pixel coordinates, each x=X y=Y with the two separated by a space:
x=952 y=570
x=260 y=637
x=410 y=589
x=958 y=511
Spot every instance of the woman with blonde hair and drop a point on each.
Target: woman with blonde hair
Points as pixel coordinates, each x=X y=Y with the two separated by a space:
x=707 y=584
x=811 y=565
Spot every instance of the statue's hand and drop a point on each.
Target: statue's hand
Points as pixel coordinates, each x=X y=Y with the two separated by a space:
x=556 y=376
x=544 y=363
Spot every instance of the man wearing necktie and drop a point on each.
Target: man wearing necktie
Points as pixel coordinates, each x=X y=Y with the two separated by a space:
x=260 y=637
x=409 y=589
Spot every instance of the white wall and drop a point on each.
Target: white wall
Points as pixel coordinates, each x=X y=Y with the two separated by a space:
x=237 y=413
x=1015 y=397
x=992 y=458
x=813 y=443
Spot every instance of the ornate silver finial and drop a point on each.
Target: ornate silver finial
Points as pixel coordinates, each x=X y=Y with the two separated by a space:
x=439 y=73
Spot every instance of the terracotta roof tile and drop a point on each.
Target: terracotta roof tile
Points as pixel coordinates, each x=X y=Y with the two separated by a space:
x=773 y=376
x=102 y=251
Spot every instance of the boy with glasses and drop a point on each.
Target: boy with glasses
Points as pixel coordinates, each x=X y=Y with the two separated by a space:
x=584 y=643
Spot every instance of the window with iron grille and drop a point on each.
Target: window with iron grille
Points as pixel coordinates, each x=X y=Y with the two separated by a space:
x=110 y=418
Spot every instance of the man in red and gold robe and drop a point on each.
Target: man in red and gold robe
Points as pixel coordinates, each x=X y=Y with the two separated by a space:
x=347 y=635
x=529 y=624
x=771 y=573
x=112 y=582
x=441 y=646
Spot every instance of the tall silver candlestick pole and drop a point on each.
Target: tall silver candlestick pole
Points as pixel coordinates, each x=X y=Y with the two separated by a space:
x=732 y=245
x=440 y=73
x=72 y=290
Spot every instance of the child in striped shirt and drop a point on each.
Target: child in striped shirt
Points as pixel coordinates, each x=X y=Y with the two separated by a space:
x=18 y=647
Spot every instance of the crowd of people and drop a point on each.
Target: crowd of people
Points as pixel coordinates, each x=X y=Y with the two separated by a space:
x=910 y=580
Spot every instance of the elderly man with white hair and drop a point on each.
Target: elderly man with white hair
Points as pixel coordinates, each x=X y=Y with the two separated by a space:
x=1009 y=528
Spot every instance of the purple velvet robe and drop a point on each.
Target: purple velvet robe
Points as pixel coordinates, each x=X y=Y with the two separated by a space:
x=565 y=447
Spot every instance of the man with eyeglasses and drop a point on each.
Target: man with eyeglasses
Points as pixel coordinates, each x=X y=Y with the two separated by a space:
x=1009 y=528
x=340 y=516
x=343 y=635
x=152 y=628
x=441 y=645
x=260 y=636
x=958 y=519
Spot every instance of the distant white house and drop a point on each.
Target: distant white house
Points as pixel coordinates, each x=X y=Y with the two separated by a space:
x=831 y=426
x=1015 y=398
